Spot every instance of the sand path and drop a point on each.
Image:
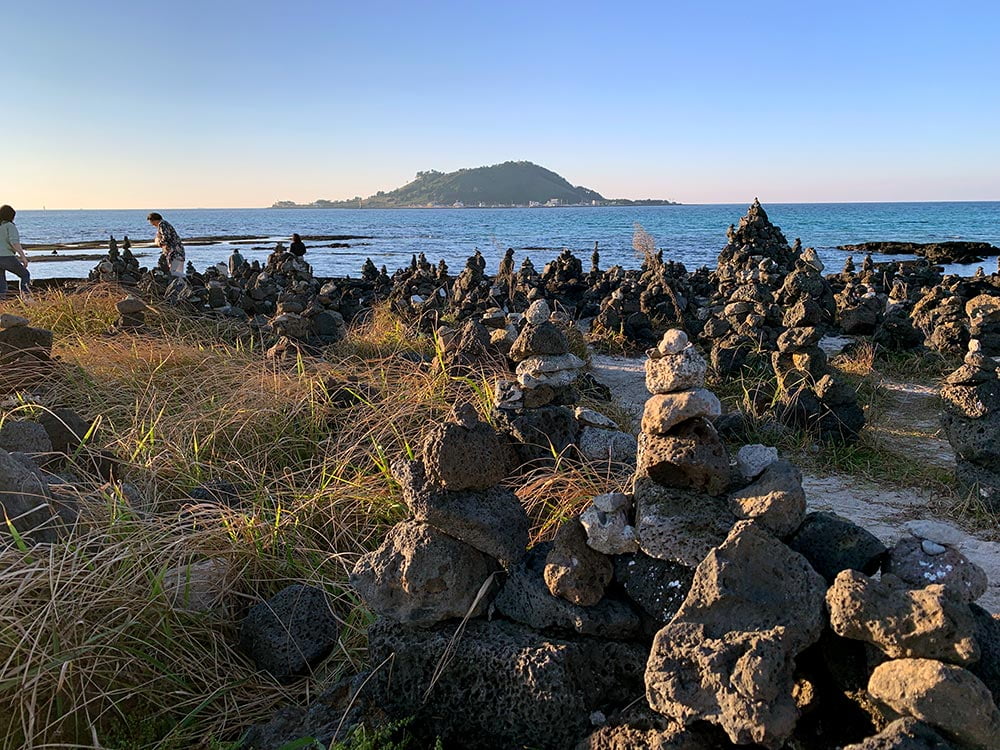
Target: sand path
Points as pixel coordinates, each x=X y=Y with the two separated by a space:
x=883 y=510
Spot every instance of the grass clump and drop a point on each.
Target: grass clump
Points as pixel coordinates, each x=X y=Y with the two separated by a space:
x=95 y=646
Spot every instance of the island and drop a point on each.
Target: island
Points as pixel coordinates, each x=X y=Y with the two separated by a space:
x=512 y=184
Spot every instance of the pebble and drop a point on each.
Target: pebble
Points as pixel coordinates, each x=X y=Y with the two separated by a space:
x=932 y=548
x=936 y=531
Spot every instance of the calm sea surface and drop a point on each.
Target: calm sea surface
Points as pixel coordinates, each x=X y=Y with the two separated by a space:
x=692 y=234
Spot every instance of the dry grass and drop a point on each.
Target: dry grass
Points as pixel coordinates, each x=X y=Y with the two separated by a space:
x=93 y=652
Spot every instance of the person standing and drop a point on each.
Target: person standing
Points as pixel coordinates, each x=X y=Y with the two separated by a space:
x=10 y=250
x=169 y=243
x=298 y=247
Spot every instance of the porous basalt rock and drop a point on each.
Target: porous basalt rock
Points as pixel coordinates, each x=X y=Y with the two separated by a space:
x=776 y=499
x=832 y=543
x=420 y=575
x=574 y=571
x=541 y=691
x=290 y=632
x=692 y=455
x=947 y=697
x=728 y=655
x=923 y=622
x=470 y=456
x=910 y=562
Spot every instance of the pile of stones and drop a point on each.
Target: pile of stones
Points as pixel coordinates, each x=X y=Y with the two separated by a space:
x=25 y=354
x=971 y=421
x=117 y=267
x=536 y=409
x=704 y=610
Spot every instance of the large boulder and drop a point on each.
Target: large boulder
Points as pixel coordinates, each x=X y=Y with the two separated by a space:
x=504 y=686
x=290 y=632
x=728 y=655
x=923 y=622
x=945 y=696
x=420 y=575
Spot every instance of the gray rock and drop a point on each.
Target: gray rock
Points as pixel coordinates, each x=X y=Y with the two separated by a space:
x=528 y=690
x=538 y=312
x=9 y=320
x=613 y=446
x=575 y=571
x=538 y=338
x=541 y=434
x=692 y=456
x=608 y=531
x=130 y=306
x=947 y=697
x=459 y=458
x=923 y=622
x=525 y=598
x=728 y=655
x=674 y=341
x=751 y=460
x=26 y=500
x=493 y=520
x=908 y=562
x=776 y=499
x=610 y=502
x=24 y=437
x=663 y=412
x=420 y=575
x=679 y=525
x=591 y=418
x=200 y=587
x=832 y=543
x=65 y=427
x=676 y=372
x=903 y=734
x=290 y=632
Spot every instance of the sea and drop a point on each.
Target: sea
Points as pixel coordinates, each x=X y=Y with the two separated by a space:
x=692 y=234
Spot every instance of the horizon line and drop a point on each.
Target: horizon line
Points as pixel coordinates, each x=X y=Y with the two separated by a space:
x=679 y=204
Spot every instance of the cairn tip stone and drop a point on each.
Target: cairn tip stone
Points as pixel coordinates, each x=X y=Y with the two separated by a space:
x=751 y=460
x=538 y=312
x=674 y=341
x=948 y=697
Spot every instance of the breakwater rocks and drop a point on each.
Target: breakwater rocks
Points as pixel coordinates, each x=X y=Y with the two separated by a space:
x=703 y=609
x=935 y=252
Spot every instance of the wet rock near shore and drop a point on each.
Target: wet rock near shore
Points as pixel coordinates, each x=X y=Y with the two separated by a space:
x=935 y=252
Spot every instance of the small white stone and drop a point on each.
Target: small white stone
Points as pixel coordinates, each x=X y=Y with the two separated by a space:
x=610 y=502
x=538 y=312
x=593 y=418
x=751 y=460
x=932 y=548
x=597 y=719
x=674 y=342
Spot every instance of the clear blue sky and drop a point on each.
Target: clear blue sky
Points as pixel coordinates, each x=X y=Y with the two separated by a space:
x=211 y=103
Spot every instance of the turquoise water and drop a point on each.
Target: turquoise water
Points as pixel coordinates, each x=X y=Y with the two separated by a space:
x=692 y=234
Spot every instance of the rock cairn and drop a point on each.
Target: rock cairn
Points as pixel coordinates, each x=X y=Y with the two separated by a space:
x=971 y=421
x=117 y=267
x=535 y=409
x=708 y=591
x=131 y=314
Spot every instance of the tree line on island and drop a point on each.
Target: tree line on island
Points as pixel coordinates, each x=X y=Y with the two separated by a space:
x=513 y=183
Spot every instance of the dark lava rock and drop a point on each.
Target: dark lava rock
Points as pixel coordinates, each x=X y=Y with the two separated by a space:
x=935 y=252
x=832 y=543
x=657 y=586
x=573 y=570
x=66 y=429
x=492 y=520
x=505 y=685
x=903 y=734
x=525 y=598
x=290 y=632
x=540 y=434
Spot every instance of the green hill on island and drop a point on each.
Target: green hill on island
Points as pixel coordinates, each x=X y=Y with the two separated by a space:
x=513 y=183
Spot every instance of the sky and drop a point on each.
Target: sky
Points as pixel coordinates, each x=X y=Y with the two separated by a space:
x=239 y=104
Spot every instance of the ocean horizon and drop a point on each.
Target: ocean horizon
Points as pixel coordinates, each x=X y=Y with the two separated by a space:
x=690 y=233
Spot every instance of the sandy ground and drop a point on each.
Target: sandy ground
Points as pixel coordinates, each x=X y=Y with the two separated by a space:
x=882 y=510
